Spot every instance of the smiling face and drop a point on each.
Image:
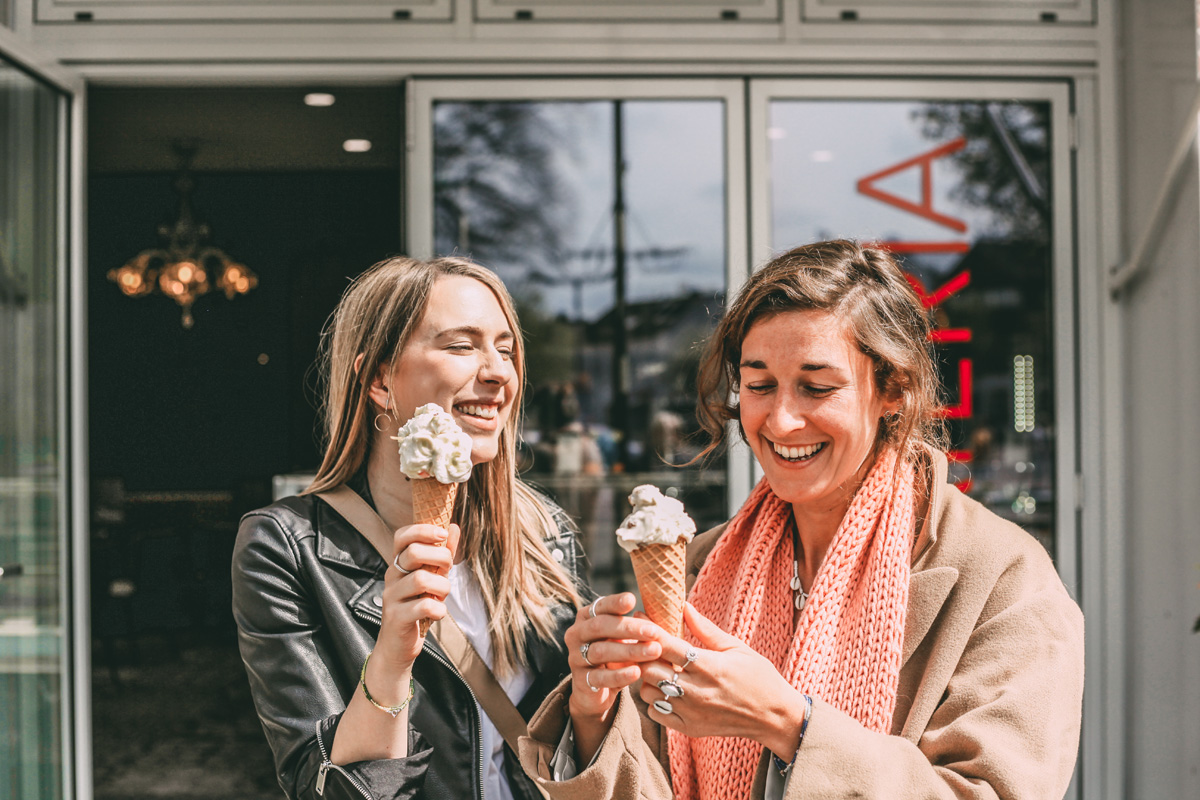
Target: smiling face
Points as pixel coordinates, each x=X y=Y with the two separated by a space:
x=809 y=408
x=460 y=356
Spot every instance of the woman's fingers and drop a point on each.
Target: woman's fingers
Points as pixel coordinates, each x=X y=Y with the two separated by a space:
x=424 y=547
x=613 y=652
x=612 y=678
x=618 y=604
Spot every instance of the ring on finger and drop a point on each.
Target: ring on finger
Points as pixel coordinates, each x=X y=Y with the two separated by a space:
x=587 y=678
x=671 y=688
x=663 y=707
x=592 y=607
x=691 y=655
x=583 y=651
x=396 y=564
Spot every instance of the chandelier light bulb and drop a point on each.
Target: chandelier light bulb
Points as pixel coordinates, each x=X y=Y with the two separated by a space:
x=319 y=99
x=180 y=266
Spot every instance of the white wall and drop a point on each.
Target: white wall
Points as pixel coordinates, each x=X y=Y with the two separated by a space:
x=1161 y=380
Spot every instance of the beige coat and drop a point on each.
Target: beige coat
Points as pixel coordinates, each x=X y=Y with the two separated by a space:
x=990 y=692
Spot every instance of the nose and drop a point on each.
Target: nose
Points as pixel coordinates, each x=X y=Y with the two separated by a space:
x=495 y=369
x=787 y=414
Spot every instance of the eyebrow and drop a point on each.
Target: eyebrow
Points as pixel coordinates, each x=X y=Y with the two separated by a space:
x=755 y=364
x=471 y=330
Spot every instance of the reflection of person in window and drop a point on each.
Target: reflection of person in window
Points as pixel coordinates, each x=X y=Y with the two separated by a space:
x=860 y=628
x=313 y=598
x=575 y=449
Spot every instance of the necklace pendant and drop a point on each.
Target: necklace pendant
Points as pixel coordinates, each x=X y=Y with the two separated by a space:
x=801 y=599
x=795 y=584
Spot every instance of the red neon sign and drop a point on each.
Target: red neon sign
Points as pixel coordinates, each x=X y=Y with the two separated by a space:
x=964 y=408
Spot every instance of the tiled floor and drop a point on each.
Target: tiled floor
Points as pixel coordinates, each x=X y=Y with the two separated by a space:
x=178 y=724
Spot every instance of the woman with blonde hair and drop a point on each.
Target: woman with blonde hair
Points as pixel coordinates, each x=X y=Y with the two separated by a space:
x=860 y=628
x=354 y=700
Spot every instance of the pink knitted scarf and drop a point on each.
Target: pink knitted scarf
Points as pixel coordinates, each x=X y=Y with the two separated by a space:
x=846 y=647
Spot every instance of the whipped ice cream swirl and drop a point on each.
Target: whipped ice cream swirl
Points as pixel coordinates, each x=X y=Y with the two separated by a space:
x=655 y=519
x=433 y=446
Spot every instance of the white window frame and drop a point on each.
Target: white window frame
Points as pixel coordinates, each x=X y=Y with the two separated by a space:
x=75 y=660
x=625 y=10
x=423 y=94
x=1067 y=347
x=184 y=11
x=926 y=11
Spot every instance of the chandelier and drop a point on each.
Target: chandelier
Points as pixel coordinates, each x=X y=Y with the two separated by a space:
x=185 y=266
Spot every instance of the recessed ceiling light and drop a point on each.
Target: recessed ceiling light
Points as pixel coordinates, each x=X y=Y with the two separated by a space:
x=356 y=145
x=321 y=99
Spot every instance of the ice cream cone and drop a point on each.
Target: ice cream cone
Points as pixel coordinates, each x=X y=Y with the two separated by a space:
x=433 y=504
x=659 y=569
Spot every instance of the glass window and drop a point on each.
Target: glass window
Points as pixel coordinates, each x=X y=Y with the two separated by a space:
x=961 y=192
x=606 y=219
x=32 y=618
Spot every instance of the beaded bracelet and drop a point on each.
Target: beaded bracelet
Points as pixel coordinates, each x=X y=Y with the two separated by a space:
x=393 y=710
x=779 y=765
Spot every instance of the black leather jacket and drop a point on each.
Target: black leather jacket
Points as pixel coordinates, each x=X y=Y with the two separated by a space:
x=306 y=598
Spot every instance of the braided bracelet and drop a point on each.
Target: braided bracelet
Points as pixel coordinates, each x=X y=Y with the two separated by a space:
x=779 y=765
x=393 y=710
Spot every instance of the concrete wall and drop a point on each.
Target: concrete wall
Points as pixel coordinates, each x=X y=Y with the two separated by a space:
x=1161 y=366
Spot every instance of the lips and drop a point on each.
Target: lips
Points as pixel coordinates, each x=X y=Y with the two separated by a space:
x=798 y=453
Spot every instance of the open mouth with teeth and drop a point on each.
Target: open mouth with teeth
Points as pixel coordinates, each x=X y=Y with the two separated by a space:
x=479 y=411
x=797 y=454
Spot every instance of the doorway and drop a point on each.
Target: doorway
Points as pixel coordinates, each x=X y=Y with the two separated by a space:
x=194 y=408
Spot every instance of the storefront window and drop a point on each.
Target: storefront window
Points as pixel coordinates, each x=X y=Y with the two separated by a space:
x=961 y=192
x=32 y=620
x=618 y=273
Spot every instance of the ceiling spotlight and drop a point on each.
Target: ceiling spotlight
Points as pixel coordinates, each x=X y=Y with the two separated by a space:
x=356 y=145
x=319 y=99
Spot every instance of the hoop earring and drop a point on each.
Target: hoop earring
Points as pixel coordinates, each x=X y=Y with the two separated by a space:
x=384 y=415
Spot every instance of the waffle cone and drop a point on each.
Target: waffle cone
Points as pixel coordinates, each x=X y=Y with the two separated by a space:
x=659 y=570
x=433 y=504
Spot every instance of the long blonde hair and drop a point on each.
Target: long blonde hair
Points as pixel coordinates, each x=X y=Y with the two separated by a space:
x=503 y=521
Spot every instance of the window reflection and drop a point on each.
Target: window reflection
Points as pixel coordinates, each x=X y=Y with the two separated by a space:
x=31 y=488
x=617 y=274
x=961 y=192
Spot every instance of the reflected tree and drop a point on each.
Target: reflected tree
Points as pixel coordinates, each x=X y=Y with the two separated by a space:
x=498 y=196
x=1005 y=166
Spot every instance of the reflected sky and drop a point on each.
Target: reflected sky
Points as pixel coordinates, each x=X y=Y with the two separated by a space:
x=819 y=150
x=674 y=195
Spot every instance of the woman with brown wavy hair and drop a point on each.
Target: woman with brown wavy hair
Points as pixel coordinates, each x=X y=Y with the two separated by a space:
x=355 y=701
x=860 y=628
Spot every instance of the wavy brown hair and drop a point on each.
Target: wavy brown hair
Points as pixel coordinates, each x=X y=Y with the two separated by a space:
x=862 y=285
x=503 y=521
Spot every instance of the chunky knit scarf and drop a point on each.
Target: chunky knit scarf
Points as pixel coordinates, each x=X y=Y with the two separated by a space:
x=846 y=647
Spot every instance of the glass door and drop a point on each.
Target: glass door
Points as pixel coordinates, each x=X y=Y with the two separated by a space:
x=614 y=212
x=38 y=621
x=969 y=184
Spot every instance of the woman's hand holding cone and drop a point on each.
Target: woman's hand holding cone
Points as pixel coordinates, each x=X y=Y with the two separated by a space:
x=617 y=646
x=729 y=689
x=426 y=553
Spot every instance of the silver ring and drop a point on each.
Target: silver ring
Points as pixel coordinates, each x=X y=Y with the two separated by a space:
x=583 y=651
x=587 y=678
x=691 y=655
x=671 y=688
x=592 y=607
x=396 y=564
x=663 y=707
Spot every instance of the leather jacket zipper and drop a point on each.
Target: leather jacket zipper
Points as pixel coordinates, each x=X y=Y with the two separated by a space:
x=326 y=765
x=478 y=721
x=478 y=712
